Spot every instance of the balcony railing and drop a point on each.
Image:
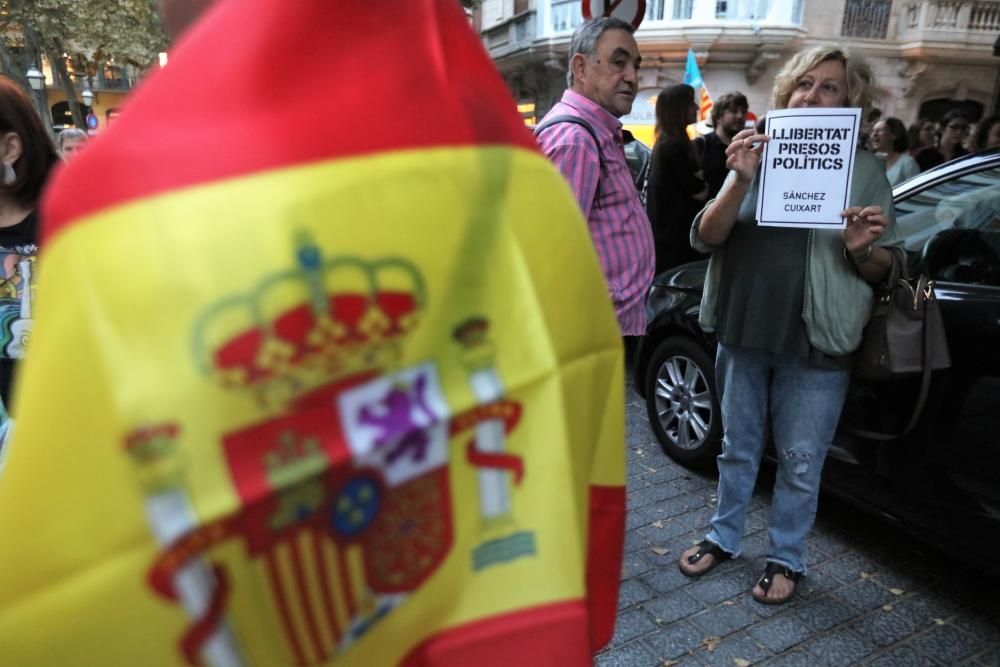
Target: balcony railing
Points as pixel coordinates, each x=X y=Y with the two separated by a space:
x=978 y=16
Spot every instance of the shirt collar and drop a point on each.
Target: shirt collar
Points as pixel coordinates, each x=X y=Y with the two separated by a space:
x=593 y=111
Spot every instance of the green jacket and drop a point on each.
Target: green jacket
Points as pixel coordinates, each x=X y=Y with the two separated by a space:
x=837 y=301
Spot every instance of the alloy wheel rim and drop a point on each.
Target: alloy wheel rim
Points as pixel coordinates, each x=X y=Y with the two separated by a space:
x=683 y=402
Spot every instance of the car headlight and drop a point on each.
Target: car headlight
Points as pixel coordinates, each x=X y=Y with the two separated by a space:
x=661 y=298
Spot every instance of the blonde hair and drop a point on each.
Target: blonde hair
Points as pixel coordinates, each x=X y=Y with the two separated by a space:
x=860 y=78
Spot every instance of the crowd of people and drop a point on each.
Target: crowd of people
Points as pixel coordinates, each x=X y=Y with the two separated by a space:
x=782 y=368
x=787 y=305
x=29 y=156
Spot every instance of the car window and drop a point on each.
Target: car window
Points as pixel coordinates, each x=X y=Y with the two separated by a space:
x=952 y=230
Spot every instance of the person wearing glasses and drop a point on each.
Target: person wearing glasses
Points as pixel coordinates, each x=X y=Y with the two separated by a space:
x=954 y=127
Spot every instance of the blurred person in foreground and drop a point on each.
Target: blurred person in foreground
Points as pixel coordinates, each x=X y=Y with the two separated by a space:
x=299 y=400
x=729 y=116
x=788 y=307
x=27 y=158
x=603 y=79
x=70 y=142
x=677 y=189
x=889 y=138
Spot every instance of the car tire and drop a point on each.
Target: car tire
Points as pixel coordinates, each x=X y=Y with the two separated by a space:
x=682 y=402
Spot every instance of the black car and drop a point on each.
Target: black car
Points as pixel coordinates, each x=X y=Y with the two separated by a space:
x=941 y=481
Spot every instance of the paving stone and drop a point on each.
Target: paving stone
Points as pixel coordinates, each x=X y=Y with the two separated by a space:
x=778 y=634
x=667 y=578
x=635 y=541
x=637 y=563
x=719 y=585
x=638 y=468
x=849 y=567
x=629 y=655
x=669 y=473
x=631 y=624
x=662 y=528
x=865 y=595
x=841 y=648
x=755 y=547
x=989 y=658
x=632 y=592
x=947 y=644
x=922 y=609
x=979 y=622
x=674 y=641
x=672 y=607
x=648 y=496
x=689 y=483
x=824 y=613
x=724 y=619
x=680 y=505
x=756 y=521
x=636 y=519
x=844 y=612
x=792 y=659
x=884 y=628
x=738 y=646
x=905 y=575
x=902 y=656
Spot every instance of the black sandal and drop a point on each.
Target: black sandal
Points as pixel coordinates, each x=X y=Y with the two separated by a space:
x=767 y=579
x=705 y=548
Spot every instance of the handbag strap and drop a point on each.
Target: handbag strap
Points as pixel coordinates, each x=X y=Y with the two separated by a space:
x=925 y=385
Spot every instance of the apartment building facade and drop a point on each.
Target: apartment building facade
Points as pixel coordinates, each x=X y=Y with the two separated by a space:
x=929 y=55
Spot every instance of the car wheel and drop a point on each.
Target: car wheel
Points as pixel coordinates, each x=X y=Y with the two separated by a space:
x=682 y=402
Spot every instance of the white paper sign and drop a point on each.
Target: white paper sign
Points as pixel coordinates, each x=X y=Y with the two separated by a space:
x=805 y=178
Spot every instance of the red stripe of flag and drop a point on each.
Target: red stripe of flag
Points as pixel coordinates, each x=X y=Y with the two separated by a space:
x=299 y=572
x=278 y=591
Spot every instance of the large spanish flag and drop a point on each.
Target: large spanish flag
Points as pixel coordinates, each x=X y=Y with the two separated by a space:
x=324 y=371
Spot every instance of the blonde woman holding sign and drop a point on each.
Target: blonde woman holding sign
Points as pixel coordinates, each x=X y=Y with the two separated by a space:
x=788 y=306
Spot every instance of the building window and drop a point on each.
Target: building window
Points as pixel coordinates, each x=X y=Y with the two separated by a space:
x=742 y=9
x=654 y=10
x=566 y=15
x=683 y=9
x=521 y=6
x=866 y=18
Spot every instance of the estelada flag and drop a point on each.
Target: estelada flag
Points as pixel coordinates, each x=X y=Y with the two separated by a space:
x=692 y=77
x=325 y=370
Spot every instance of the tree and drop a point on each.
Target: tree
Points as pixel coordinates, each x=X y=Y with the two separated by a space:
x=87 y=33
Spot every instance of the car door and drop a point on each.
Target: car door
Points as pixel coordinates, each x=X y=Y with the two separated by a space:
x=946 y=468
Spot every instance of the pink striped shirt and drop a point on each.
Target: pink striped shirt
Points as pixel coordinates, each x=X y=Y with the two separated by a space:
x=617 y=222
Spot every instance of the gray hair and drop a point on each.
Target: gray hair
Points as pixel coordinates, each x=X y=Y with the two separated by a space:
x=71 y=133
x=585 y=39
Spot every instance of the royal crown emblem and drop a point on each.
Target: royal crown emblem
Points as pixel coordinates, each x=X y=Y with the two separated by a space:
x=348 y=316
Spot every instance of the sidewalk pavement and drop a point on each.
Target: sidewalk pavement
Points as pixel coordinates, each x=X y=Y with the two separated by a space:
x=872 y=596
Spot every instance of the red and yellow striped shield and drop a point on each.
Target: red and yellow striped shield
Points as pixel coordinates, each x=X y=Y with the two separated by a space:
x=325 y=370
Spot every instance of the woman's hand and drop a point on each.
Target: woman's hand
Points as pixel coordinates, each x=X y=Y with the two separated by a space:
x=864 y=227
x=743 y=153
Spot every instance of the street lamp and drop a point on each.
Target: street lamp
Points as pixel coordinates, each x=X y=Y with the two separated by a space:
x=37 y=82
x=88 y=96
x=36 y=79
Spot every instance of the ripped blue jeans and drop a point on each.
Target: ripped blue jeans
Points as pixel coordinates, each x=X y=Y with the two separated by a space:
x=803 y=404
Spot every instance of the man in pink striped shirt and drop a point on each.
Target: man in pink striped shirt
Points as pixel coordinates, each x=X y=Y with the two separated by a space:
x=603 y=81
